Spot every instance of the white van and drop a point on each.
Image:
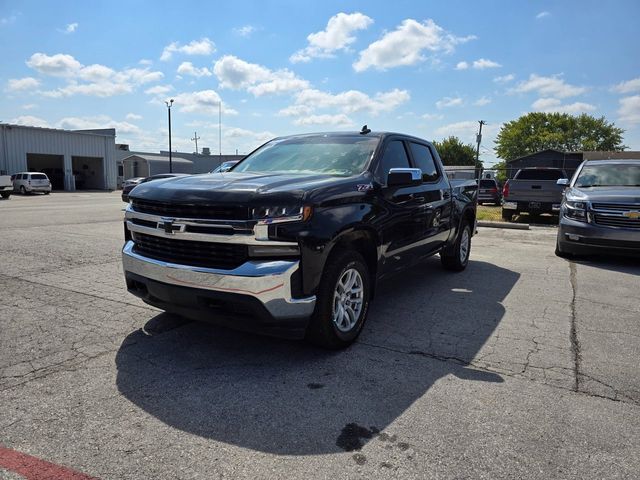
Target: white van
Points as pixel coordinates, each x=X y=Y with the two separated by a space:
x=28 y=182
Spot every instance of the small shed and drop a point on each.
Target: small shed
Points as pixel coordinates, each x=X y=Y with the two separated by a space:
x=550 y=158
x=146 y=165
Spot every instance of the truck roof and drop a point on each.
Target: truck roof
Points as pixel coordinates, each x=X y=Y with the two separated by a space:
x=379 y=134
x=617 y=161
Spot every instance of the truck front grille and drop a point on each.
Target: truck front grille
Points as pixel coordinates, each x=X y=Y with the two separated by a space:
x=225 y=256
x=215 y=212
x=615 y=221
x=616 y=207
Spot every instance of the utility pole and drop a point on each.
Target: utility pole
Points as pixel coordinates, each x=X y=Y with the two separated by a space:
x=169 y=104
x=479 y=140
x=195 y=139
x=220 y=131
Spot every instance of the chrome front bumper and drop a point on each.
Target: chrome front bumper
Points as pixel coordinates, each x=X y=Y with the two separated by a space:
x=269 y=281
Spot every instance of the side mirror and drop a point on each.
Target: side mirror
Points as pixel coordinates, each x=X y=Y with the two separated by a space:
x=563 y=181
x=404 y=177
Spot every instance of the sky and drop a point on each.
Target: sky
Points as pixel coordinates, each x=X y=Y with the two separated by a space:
x=426 y=68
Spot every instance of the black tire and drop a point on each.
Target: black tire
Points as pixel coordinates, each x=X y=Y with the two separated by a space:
x=23 y=190
x=47 y=193
x=5 y=194
x=452 y=259
x=322 y=330
x=507 y=215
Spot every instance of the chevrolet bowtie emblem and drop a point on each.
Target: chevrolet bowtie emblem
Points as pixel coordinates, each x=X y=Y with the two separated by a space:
x=167 y=225
x=633 y=214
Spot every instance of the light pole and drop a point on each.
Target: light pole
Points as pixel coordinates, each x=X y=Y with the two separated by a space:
x=169 y=103
x=220 y=131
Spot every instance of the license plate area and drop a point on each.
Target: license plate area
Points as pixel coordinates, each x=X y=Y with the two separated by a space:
x=535 y=205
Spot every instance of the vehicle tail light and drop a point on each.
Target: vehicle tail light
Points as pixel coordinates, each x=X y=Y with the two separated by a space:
x=494 y=190
x=505 y=190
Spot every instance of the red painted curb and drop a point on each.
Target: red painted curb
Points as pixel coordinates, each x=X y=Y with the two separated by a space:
x=33 y=468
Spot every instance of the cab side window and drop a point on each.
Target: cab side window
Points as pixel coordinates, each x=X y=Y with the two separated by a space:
x=425 y=162
x=394 y=156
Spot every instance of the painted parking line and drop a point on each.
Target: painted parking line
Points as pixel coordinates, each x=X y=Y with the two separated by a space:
x=33 y=468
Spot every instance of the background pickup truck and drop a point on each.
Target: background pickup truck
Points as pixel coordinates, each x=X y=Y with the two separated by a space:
x=292 y=240
x=6 y=186
x=534 y=191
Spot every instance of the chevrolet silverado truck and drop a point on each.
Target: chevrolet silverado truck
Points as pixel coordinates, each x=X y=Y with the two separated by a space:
x=293 y=239
x=534 y=191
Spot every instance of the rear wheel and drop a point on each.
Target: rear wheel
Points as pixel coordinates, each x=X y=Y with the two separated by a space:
x=457 y=258
x=507 y=215
x=23 y=190
x=342 y=302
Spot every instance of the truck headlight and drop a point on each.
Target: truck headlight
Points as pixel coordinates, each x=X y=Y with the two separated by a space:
x=575 y=210
x=280 y=214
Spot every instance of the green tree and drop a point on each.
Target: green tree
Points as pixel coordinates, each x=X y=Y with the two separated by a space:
x=453 y=152
x=537 y=131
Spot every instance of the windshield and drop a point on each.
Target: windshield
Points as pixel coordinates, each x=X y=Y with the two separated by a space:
x=332 y=155
x=614 y=175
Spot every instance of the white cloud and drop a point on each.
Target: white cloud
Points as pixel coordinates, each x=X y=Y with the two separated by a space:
x=8 y=20
x=542 y=15
x=146 y=62
x=505 y=78
x=339 y=120
x=29 y=120
x=133 y=116
x=159 y=90
x=629 y=110
x=20 y=84
x=351 y=101
x=244 y=31
x=406 y=45
x=483 y=63
x=479 y=64
x=203 y=101
x=58 y=65
x=449 y=102
x=336 y=36
x=187 y=68
x=555 y=105
x=432 y=116
x=71 y=27
x=552 y=86
x=627 y=87
x=204 y=46
x=101 y=81
x=29 y=106
x=482 y=101
x=95 y=122
x=235 y=74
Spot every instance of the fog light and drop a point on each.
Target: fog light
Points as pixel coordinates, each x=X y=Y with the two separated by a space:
x=574 y=238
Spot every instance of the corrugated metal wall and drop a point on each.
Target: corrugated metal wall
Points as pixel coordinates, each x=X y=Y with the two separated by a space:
x=17 y=141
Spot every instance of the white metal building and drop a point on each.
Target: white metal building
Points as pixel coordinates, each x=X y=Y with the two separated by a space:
x=80 y=159
x=143 y=165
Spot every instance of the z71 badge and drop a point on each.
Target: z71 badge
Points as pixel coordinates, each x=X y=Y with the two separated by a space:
x=363 y=187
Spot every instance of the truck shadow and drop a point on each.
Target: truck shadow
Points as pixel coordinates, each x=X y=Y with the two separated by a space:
x=290 y=398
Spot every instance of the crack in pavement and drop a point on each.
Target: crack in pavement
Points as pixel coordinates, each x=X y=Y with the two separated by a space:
x=573 y=333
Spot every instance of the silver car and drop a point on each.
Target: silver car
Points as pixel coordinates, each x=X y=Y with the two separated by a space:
x=600 y=211
x=29 y=182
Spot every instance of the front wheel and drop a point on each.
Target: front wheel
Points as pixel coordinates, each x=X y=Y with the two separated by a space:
x=507 y=215
x=6 y=194
x=342 y=301
x=457 y=258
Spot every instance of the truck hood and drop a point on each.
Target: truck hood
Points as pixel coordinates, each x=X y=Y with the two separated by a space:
x=230 y=187
x=606 y=194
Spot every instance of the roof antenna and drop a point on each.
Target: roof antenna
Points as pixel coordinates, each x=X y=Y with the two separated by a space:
x=365 y=130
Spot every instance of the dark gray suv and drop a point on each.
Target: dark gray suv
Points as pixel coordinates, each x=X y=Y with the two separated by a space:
x=600 y=212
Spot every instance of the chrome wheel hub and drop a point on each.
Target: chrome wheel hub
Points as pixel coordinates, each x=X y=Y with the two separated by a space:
x=464 y=245
x=348 y=300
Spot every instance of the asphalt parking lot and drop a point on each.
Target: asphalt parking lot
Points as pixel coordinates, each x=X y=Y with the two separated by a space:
x=523 y=366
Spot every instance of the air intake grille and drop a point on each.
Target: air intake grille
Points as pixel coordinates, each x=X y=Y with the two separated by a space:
x=226 y=256
x=213 y=212
x=621 y=222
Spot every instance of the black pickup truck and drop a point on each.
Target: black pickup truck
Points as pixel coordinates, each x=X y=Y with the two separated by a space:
x=292 y=240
